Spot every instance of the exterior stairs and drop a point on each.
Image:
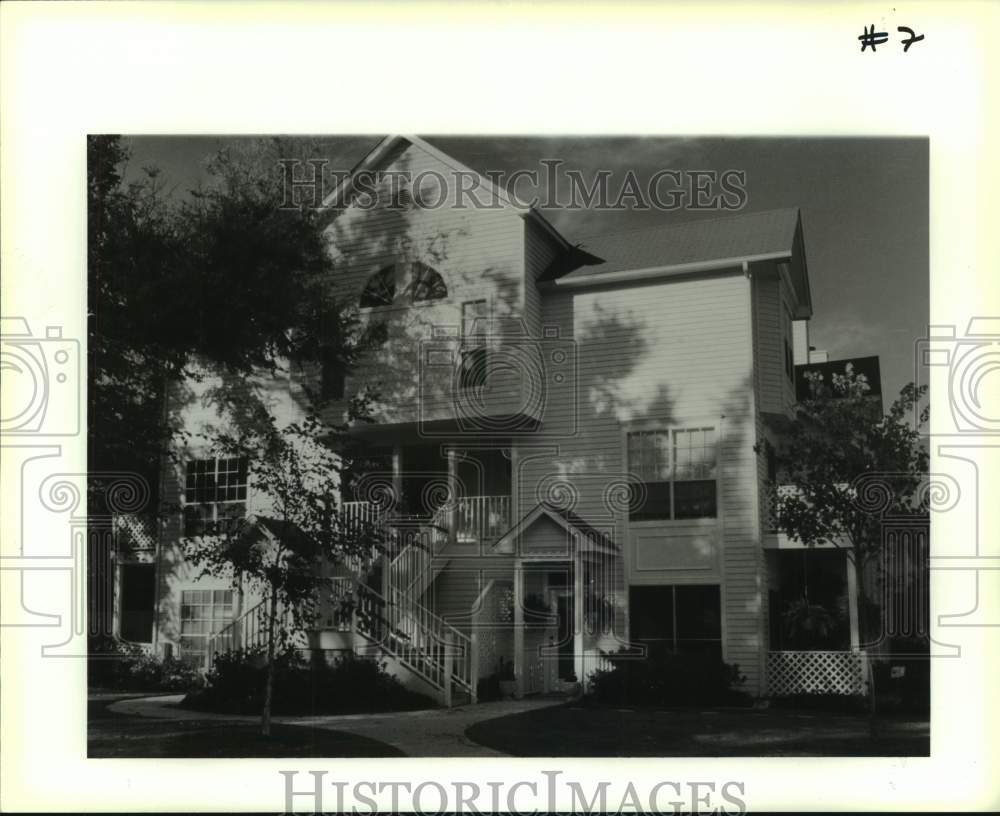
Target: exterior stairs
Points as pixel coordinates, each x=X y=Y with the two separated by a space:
x=420 y=647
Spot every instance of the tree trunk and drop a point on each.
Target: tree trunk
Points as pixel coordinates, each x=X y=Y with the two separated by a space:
x=265 y=720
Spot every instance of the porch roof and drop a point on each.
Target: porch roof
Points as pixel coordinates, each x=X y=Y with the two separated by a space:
x=583 y=535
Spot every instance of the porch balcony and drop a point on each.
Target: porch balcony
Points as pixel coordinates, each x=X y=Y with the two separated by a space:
x=469 y=519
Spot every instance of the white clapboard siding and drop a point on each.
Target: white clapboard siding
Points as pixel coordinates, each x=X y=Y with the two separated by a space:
x=667 y=353
x=190 y=408
x=771 y=297
x=480 y=255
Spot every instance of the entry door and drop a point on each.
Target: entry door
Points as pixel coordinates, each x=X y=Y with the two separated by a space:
x=138 y=599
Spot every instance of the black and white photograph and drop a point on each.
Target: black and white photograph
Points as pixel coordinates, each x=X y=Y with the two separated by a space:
x=499 y=407
x=467 y=446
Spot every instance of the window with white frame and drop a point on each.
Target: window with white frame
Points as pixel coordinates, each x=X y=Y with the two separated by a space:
x=204 y=612
x=675 y=474
x=215 y=495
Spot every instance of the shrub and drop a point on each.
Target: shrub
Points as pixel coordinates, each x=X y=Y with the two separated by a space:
x=667 y=680
x=131 y=668
x=488 y=688
x=236 y=684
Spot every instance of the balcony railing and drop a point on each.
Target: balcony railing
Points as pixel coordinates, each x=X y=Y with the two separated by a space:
x=472 y=518
x=481 y=518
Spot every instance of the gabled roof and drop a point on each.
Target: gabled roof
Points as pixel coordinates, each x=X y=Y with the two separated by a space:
x=580 y=532
x=388 y=149
x=660 y=251
x=693 y=246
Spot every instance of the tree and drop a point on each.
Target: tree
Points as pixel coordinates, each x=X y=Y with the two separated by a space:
x=229 y=276
x=282 y=552
x=229 y=280
x=848 y=465
x=132 y=257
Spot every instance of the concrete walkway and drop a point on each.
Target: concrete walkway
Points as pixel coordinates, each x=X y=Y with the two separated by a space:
x=437 y=732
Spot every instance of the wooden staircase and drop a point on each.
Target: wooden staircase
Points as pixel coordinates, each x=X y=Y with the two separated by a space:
x=391 y=622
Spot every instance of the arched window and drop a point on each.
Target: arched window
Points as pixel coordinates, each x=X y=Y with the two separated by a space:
x=427 y=284
x=381 y=288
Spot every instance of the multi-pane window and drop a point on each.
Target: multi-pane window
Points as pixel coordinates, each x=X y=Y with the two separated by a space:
x=676 y=472
x=204 y=612
x=475 y=352
x=215 y=494
x=427 y=284
x=380 y=290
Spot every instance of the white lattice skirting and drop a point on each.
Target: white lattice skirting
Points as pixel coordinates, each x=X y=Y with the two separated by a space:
x=815 y=673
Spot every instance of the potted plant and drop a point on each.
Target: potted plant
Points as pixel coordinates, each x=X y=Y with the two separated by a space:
x=508 y=682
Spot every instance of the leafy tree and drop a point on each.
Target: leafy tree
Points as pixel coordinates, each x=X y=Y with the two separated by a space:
x=132 y=253
x=228 y=280
x=282 y=552
x=229 y=276
x=231 y=281
x=849 y=465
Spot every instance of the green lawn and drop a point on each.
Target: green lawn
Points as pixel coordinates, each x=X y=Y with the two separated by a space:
x=113 y=735
x=582 y=730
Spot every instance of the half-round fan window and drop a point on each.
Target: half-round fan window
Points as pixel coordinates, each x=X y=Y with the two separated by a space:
x=427 y=284
x=381 y=288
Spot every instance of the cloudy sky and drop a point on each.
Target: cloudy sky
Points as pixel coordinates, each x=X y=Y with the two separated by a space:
x=864 y=205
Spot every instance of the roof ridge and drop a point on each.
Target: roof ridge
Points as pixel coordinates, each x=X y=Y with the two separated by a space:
x=689 y=223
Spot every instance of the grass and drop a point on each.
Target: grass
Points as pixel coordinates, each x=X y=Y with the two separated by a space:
x=586 y=730
x=114 y=735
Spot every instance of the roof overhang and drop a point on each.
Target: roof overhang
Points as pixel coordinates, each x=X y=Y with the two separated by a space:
x=582 y=536
x=652 y=272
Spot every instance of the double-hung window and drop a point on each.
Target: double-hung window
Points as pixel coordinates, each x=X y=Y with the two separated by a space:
x=215 y=495
x=674 y=472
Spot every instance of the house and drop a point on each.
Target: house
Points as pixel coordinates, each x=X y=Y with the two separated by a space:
x=566 y=428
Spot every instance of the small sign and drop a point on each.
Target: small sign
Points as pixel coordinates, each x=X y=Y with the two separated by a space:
x=897 y=672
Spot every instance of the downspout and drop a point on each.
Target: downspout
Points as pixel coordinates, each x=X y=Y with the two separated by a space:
x=755 y=503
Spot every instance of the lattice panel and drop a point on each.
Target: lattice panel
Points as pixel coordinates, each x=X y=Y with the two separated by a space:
x=815 y=673
x=135 y=532
x=493 y=622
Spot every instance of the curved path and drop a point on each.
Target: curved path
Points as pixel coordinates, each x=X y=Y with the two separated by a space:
x=437 y=732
